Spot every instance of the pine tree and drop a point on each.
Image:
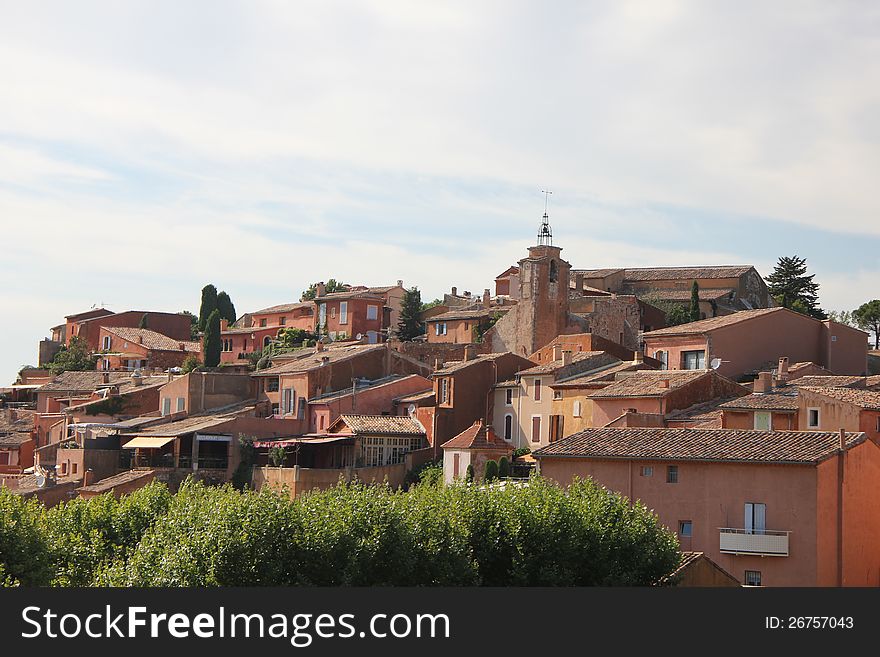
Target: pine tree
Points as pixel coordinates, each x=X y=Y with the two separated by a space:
x=409 y=324
x=695 y=302
x=226 y=307
x=868 y=318
x=211 y=345
x=793 y=289
x=209 y=305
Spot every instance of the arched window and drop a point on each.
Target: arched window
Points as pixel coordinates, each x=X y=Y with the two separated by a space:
x=267 y=341
x=554 y=271
x=508 y=427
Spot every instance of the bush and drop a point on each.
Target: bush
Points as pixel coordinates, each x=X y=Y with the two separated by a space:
x=429 y=473
x=521 y=451
x=469 y=473
x=490 y=474
x=503 y=468
x=25 y=558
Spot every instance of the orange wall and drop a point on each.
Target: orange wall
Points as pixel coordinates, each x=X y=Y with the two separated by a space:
x=713 y=495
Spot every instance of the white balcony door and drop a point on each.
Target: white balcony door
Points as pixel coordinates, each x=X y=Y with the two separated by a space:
x=755 y=518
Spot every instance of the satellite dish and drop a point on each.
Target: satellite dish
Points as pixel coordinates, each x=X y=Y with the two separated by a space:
x=41 y=480
x=715 y=363
x=360 y=336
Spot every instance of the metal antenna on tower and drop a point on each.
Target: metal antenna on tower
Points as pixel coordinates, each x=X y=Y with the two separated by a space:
x=545 y=235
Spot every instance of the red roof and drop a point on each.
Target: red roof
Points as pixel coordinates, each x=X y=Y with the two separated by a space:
x=477 y=436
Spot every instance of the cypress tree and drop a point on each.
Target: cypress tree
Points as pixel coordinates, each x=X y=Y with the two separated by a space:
x=226 y=307
x=409 y=324
x=143 y=322
x=211 y=345
x=695 y=302
x=209 y=304
x=491 y=472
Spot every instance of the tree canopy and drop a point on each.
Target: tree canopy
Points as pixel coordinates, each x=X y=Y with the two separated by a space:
x=793 y=288
x=208 y=305
x=331 y=286
x=75 y=357
x=226 y=307
x=867 y=317
x=694 y=312
x=212 y=345
x=409 y=323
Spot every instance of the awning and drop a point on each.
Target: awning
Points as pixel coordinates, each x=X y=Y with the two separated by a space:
x=148 y=442
x=290 y=442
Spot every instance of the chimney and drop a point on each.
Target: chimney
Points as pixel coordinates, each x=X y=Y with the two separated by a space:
x=13 y=415
x=141 y=338
x=763 y=383
x=566 y=358
x=319 y=346
x=181 y=346
x=469 y=352
x=136 y=378
x=88 y=477
x=638 y=357
x=579 y=282
x=105 y=377
x=224 y=324
x=325 y=360
x=842 y=439
x=399 y=282
x=782 y=372
x=557 y=352
x=454 y=291
x=664 y=383
x=487 y=298
x=438 y=363
x=320 y=289
x=170 y=377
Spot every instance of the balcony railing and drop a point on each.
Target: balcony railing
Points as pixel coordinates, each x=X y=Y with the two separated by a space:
x=762 y=542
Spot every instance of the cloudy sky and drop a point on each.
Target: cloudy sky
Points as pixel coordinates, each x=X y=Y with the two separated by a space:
x=149 y=148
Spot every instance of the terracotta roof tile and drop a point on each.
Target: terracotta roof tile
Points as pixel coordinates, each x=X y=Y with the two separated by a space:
x=477 y=313
x=554 y=366
x=284 y=308
x=312 y=359
x=152 y=339
x=107 y=484
x=701 y=445
x=602 y=375
x=780 y=399
x=457 y=365
x=684 y=273
x=92 y=380
x=477 y=436
x=383 y=424
x=649 y=383
x=707 y=294
x=816 y=381
x=14 y=439
x=865 y=399
x=713 y=323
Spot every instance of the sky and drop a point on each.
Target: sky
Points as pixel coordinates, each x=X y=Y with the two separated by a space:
x=149 y=148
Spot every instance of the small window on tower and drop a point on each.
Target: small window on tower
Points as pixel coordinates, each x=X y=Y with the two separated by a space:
x=554 y=271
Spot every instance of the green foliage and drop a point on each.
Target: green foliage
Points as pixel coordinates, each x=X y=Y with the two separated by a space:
x=332 y=286
x=243 y=475
x=429 y=473
x=535 y=534
x=75 y=357
x=226 y=307
x=25 y=558
x=431 y=304
x=521 y=451
x=292 y=338
x=277 y=456
x=677 y=314
x=144 y=321
x=193 y=324
x=490 y=474
x=503 y=468
x=109 y=406
x=481 y=328
x=190 y=363
x=793 y=288
x=694 y=311
x=409 y=323
x=212 y=345
x=867 y=317
x=208 y=305
x=469 y=473
x=846 y=317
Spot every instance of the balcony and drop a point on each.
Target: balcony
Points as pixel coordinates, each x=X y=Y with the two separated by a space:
x=760 y=542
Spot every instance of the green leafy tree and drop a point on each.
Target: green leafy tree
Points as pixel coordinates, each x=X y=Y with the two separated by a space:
x=292 y=338
x=243 y=475
x=867 y=317
x=211 y=346
x=793 y=288
x=469 y=473
x=332 y=286
x=277 y=455
x=694 y=314
x=190 y=363
x=208 y=305
x=144 y=322
x=25 y=556
x=431 y=304
x=409 y=323
x=490 y=474
x=503 y=467
x=226 y=307
x=75 y=357
x=483 y=327
x=846 y=317
x=677 y=314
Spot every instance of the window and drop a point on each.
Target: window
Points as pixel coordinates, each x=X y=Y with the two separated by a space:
x=287 y=401
x=440 y=328
x=671 y=474
x=813 y=418
x=557 y=395
x=105 y=364
x=372 y=312
x=343 y=312
x=554 y=271
x=576 y=408
x=763 y=420
x=508 y=400
x=272 y=385
x=537 y=390
x=536 y=428
x=333 y=312
x=263 y=322
x=556 y=430
x=274 y=409
x=444 y=390
x=181 y=404
x=267 y=341
x=508 y=427
x=755 y=517
x=166 y=406
x=321 y=422
x=693 y=360
x=106 y=343
x=456 y=465
x=663 y=357
x=301 y=407
x=752 y=578
x=646 y=471
x=685 y=528
x=322 y=315
x=282 y=321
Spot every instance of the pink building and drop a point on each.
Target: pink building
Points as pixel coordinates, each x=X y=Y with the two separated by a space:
x=774 y=508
